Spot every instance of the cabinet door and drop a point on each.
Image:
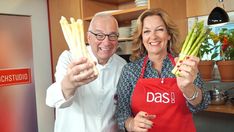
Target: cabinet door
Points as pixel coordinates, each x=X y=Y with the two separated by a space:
x=176 y=9
x=58 y=8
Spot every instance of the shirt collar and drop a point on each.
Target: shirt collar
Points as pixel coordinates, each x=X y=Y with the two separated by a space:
x=165 y=61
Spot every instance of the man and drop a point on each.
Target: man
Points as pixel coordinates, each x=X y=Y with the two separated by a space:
x=84 y=101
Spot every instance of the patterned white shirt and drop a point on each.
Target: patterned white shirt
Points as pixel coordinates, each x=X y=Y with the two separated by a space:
x=129 y=77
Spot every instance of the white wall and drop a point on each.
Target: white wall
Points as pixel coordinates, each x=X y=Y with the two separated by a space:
x=37 y=9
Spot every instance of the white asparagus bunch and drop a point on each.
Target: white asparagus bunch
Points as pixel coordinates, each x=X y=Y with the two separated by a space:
x=74 y=35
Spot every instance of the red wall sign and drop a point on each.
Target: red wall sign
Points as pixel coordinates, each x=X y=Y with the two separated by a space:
x=15 y=76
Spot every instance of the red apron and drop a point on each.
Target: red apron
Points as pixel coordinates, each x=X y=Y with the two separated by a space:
x=163 y=98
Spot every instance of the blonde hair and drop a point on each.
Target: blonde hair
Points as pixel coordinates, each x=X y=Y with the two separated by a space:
x=138 y=49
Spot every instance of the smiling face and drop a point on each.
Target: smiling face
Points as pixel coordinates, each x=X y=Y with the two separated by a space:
x=104 y=49
x=155 y=35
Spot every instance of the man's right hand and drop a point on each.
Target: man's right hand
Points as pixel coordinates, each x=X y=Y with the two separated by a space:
x=79 y=72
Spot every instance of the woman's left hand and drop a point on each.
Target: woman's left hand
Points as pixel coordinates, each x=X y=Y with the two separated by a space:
x=188 y=72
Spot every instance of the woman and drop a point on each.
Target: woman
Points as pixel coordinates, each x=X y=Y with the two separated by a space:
x=150 y=97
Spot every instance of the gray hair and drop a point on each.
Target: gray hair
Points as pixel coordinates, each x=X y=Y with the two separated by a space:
x=103 y=14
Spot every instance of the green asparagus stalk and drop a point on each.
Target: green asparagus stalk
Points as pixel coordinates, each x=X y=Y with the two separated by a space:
x=192 y=43
x=197 y=43
x=201 y=34
x=196 y=50
x=188 y=38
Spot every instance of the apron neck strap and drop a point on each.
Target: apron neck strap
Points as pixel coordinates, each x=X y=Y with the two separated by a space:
x=144 y=66
x=172 y=59
x=146 y=59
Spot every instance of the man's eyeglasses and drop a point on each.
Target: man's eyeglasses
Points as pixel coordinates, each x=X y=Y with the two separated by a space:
x=102 y=36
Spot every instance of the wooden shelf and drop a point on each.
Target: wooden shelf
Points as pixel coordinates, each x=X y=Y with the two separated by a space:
x=126 y=10
x=124 y=39
x=125 y=15
x=114 y=1
x=228 y=108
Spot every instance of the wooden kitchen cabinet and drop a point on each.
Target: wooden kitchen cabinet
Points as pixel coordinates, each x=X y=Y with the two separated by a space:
x=125 y=11
x=204 y=7
x=56 y=9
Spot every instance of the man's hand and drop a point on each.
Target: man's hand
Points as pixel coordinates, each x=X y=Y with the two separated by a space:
x=79 y=72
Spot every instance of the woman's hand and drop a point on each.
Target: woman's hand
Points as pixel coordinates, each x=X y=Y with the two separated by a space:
x=79 y=72
x=140 y=123
x=188 y=72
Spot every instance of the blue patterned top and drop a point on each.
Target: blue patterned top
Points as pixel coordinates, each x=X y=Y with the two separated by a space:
x=129 y=76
